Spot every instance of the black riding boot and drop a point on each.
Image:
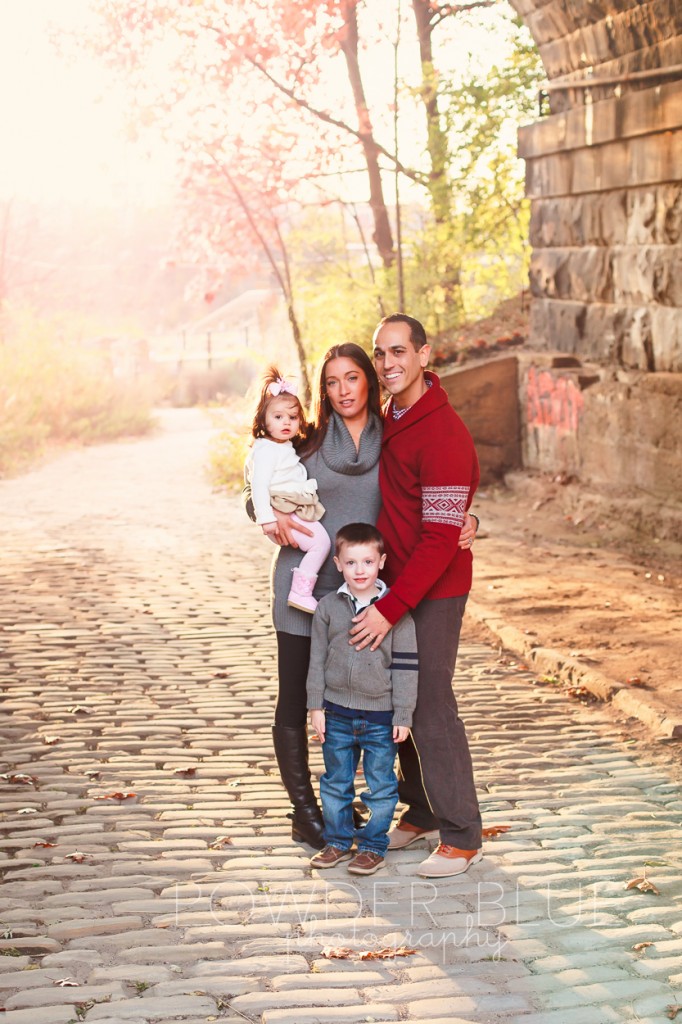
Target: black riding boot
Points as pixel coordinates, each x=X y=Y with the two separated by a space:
x=291 y=751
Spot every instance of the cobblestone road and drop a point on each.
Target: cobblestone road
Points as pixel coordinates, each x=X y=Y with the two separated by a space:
x=146 y=873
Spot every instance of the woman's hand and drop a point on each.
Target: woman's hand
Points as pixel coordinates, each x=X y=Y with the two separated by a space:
x=371 y=628
x=270 y=531
x=467 y=534
x=318 y=723
x=287 y=526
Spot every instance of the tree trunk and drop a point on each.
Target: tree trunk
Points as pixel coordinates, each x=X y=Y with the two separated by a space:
x=439 y=180
x=300 y=351
x=382 y=237
x=437 y=143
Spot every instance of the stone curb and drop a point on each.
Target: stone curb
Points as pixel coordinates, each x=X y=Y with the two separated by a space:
x=647 y=709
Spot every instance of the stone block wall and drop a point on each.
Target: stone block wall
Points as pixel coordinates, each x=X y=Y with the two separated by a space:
x=608 y=38
x=606 y=230
x=604 y=175
x=603 y=427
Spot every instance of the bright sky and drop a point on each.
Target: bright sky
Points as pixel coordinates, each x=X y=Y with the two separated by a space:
x=63 y=127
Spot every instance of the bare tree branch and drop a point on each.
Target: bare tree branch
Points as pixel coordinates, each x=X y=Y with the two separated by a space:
x=322 y=115
x=446 y=10
x=283 y=281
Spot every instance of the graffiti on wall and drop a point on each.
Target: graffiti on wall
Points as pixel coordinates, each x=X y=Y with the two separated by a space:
x=553 y=401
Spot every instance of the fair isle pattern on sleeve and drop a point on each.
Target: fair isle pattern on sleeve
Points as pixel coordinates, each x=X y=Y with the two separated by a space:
x=445 y=505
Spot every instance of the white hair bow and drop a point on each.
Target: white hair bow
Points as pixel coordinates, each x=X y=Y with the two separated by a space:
x=282 y=386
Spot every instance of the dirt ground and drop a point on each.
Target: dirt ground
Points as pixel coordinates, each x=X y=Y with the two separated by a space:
x=567 y=576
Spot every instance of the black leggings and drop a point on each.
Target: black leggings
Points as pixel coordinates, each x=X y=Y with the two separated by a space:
x=293 y=657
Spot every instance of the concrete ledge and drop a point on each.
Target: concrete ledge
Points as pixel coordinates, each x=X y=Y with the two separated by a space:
x=638 y=113
x=486 y=396
x=648 y=710
x=630 y=701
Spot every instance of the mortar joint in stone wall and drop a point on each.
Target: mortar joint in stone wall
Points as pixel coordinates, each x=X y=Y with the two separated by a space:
x=597 y=81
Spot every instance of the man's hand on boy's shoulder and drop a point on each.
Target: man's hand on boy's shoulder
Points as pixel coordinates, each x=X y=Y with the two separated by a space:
x=370 y=628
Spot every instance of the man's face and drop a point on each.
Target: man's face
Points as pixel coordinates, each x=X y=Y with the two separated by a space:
x=399 y=366
x=360 y=565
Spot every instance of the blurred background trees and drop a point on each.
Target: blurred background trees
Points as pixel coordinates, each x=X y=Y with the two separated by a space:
x=333 y=161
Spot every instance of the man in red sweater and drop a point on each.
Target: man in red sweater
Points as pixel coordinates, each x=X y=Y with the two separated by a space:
x=428 y=475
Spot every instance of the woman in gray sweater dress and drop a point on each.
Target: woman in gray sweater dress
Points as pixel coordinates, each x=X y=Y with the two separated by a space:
x=342 y=453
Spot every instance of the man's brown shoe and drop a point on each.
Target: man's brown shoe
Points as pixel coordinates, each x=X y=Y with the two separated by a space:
x=448 y=860
x=329 y=857
x=404 y=835
x=366 y=863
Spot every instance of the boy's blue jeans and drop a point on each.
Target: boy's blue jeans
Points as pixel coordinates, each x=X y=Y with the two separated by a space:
x=345 y=739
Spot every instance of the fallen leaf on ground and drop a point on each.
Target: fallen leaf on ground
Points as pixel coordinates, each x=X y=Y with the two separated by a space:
x=66 y=983
x=28 y=810
x=184 y=771
x=116 y=796
x=44 y=846
x=643 y=884
x=388 y=953
x=641 y=945
x=79 y=709
x=51 y=740
x=92 y=773
x=221 y=841
x=495 y=830
x=77 y=857
x=344 y=953
x=672 y=1010
x=578 y=691
x=20 y=779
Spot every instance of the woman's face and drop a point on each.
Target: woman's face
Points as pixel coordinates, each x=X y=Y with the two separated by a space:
x=346 y=387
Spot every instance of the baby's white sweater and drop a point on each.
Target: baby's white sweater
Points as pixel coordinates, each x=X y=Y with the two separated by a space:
x=273 y=467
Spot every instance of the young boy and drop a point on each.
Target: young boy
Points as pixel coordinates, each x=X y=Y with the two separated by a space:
x=360 y=702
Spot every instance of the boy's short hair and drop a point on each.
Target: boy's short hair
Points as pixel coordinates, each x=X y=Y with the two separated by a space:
x=358 y=533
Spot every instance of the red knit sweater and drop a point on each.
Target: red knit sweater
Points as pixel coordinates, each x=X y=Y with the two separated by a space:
x=428 y=475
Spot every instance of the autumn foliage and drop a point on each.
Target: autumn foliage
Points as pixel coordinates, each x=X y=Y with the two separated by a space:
x=277 y=107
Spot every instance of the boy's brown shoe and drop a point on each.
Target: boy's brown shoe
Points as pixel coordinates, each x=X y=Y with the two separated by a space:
x=329 y=857
x=366 y=863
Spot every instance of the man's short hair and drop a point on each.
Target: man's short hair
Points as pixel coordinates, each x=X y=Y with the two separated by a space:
x=358 y=533
x=417 y=332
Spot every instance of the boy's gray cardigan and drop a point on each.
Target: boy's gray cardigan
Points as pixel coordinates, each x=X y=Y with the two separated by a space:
x=366 y=680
